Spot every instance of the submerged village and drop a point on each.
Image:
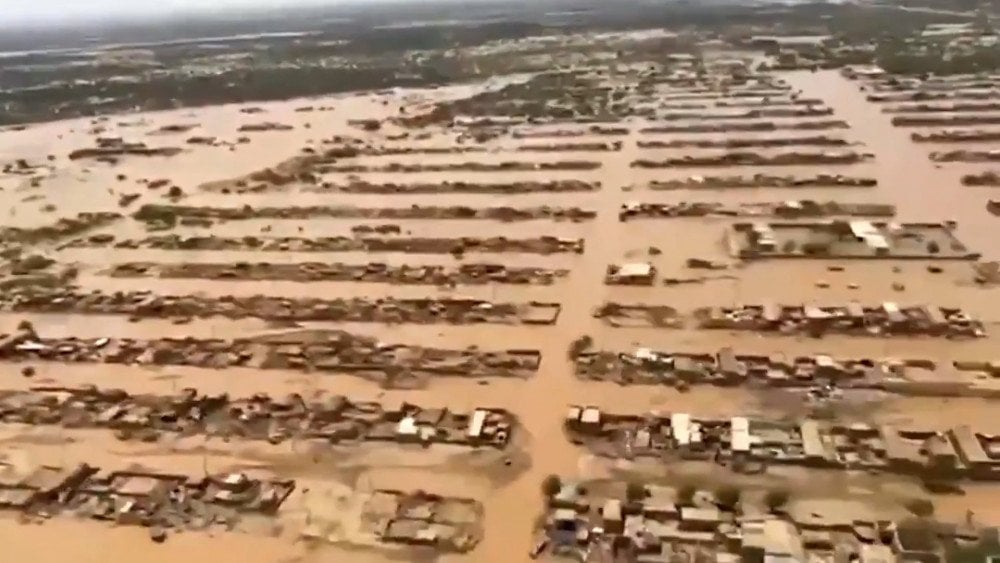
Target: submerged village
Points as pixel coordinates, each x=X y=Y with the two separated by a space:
x=664 y=283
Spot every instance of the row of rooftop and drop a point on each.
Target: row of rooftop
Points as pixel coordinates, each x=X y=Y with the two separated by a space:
x=820 y=374
x=156 y=500
x=788 y=209
x=853 y=318
x=405 y=244
x=448 y=524
x=334 y=420
x=848 y=239
x=650 y=523
x=750 y=444
x=374 y=272
x=154 y=212
x=763 y=181
x=323 y=351
x=145 y=304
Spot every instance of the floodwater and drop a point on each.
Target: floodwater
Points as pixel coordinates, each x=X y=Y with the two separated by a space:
x=921 y=191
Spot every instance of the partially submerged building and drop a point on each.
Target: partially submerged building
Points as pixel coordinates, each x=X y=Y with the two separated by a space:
x=755 y=444
x=840 y=239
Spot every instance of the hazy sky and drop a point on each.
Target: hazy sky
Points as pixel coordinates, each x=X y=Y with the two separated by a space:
x=61 y=10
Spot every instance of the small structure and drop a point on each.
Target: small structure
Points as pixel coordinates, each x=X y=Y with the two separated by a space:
x=632 y=273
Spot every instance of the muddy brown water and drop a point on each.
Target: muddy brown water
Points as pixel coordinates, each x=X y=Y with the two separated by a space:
x=921 y=190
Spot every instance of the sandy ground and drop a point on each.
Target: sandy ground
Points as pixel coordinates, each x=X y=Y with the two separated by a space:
x=920 y=190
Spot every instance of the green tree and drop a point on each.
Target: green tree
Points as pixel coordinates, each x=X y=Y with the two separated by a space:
x=551 y=486
x=685 y=495
x=635 y=492
x=920 y=507
x=727 y=496
x=775 y=499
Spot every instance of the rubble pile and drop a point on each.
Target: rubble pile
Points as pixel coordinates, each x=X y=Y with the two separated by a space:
x=595 y=130
x=945 y=120
x=173 y=128
x=754 y=159
x=572 y=147
x=956 y=136
x=395 y=151
x=943 y=108
x=264 y=126
x=749 y=114
x=887 y=319
x=412 y=245
x=111 y=149
x=63 y=228
x=21 y=167
x=448 y=524
x=764 y=102
x=923 y=95
x=705 y=94
x=638 y=315
x=966 y=156
x=726 y=127
x=158 y=501
x=988 y=178
x=786 y=209
x=154 y=212
x=464 y=274
x=144 y=304
x=508 y=166
x=936 y=84
x=740 y=442
x=325 y=351
x=364 y=187
x=334 y=419
x=763 y=181
x=742 y=143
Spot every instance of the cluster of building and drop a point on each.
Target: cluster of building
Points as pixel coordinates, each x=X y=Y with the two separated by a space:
x=853 y=318
x=449 y=524
x=653 y=525
x=323 y=351
x=335 y=420
x=142 y=304
x=751 y=445
x=848 y=239
x=138 y=498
